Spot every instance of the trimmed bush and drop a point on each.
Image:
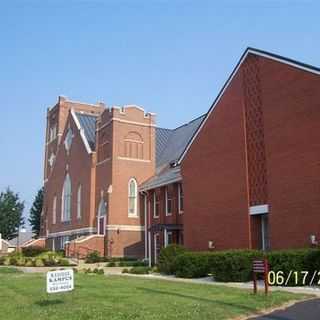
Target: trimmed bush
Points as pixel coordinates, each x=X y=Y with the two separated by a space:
x=111 y=264
x=140 y=270
x=63 y=262
x=93 y=257
x=132 y=263
x=193 y=265
x=2 y=260
x=295 y=260
x=29 y=262
x=33 y=251
x=38 y=262
x=234 y=265
x=167 y=258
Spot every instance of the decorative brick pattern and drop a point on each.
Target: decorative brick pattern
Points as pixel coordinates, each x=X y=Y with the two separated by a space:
x=254 y=132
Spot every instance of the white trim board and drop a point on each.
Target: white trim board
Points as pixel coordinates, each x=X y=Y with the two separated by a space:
x=257 y=52
x=71 y=232
x=261 y=209
x=81 y=131
x=122 y=227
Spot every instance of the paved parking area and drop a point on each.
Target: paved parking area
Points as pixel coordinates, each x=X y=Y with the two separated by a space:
x=307 y=310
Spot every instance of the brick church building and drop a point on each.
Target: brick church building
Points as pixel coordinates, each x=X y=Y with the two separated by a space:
x=244 y=175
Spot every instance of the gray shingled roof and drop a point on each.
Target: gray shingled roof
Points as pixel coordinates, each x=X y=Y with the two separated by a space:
x=174 y=142
x=88 y=124
x=169 y=146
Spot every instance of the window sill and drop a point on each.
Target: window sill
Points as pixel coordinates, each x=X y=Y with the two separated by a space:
x=133 y=216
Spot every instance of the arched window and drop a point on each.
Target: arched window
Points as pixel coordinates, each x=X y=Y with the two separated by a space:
x=133 y=197
x=66 y=200
x=79 y=202
x=102 y=213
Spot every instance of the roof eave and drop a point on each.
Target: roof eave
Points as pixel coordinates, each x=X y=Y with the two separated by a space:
x=261 y=53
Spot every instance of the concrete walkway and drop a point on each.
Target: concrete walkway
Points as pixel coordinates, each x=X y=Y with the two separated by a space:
x=306 y=310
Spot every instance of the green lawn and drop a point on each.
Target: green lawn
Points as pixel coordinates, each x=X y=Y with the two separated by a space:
x=22 y=296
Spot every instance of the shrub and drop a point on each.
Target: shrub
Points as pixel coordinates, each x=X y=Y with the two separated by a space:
x=140 y=270
x=132 y=263
x=125 y=270
x=63 y=262
x=234 y=265
x=13 y=260
x=167 y=258
x=192 y=265
x=111 y=264
x=21 y=261
x=2 y=260
x=33 y=251
x=38 y=262
x=295 y=260
x=29 y=262
x=93 y=257
x=98 y=271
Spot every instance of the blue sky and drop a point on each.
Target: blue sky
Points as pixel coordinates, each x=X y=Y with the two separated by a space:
x=170 y=57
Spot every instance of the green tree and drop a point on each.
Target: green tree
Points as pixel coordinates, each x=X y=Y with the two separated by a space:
x=11 y=209
x=35 y=213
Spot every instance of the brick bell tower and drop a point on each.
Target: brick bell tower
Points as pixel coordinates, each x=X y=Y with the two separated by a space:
x=56 y=122
x=125 y=158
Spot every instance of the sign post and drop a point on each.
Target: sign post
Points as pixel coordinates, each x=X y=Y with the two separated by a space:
x=60 y=281
x=260 y=266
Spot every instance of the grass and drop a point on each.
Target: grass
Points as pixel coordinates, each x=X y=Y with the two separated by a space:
x=9 y=270
x=22 y=296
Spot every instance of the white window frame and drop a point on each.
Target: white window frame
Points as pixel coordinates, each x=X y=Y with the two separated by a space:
x=155 y=213
x=102 y=213
x=54 y=210
x=167 y=200
x=66 y=200
x=135 y=197
x=79 y=198
x=167 y=233
x=180 y=188
x=156 y=239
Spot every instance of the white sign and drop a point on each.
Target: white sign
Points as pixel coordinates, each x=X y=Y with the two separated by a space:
x=60 y=281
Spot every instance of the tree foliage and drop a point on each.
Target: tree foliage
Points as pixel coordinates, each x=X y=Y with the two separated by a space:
x=11 y=209
x=35 y=213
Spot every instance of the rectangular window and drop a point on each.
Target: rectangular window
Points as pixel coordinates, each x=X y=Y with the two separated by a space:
x=180 y=197
x=79 y=202
x=157 y=247
x=169 y=238
x=54 y=210
x=168 y=202
x=64 y=240
x=156 y=204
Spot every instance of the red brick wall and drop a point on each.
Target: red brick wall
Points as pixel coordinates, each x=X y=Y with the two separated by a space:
x=283 y=156
x=120 y=159
x=291 y=106
x=214 y=178
x=81 y=249
x=81 y=168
